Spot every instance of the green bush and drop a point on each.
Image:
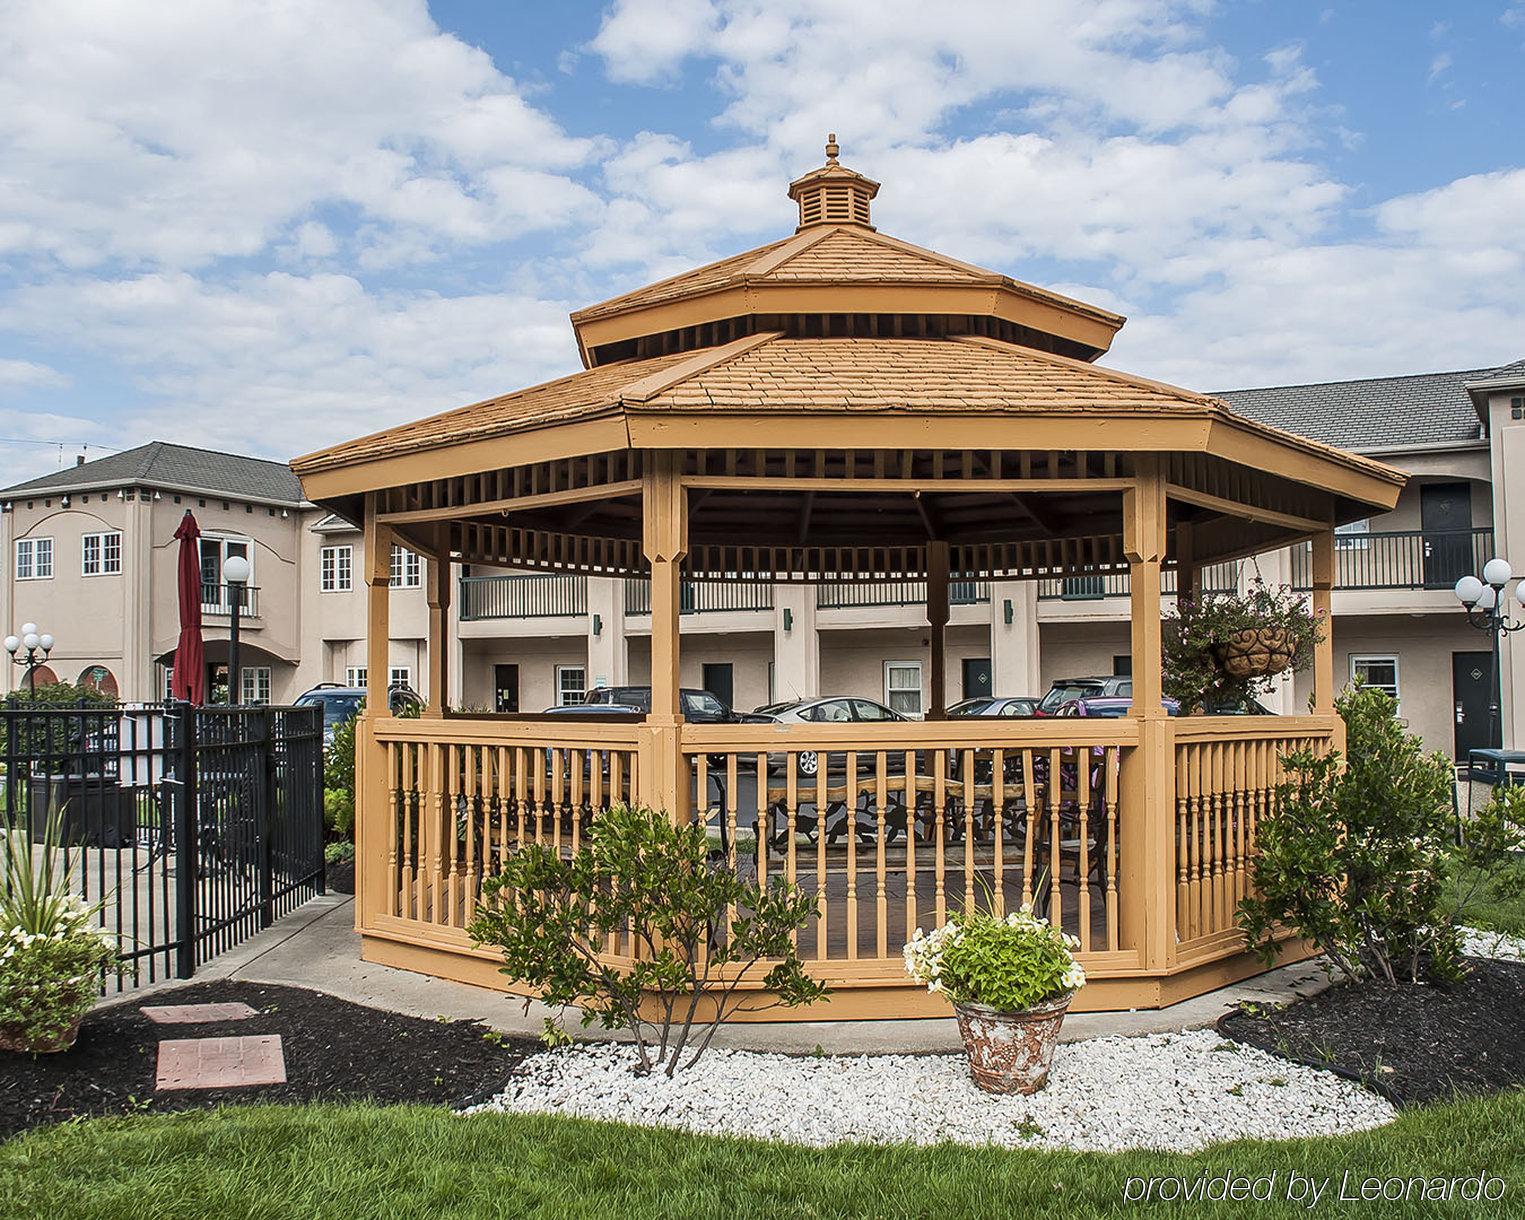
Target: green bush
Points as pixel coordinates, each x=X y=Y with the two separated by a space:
x=1353 y=855
x=1008 y=964
x=52 y=735
x=339 y=781
x=641 y=875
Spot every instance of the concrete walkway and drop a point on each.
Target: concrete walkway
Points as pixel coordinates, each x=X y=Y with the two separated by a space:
x=317 y=947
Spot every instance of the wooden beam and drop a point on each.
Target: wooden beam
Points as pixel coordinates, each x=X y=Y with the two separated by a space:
x=908 y=486
x=1245 y=512
x=937 y=620
x=548 y=499
x=1323 y=601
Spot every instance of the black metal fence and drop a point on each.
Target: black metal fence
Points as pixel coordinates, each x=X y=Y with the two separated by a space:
x=190 y=827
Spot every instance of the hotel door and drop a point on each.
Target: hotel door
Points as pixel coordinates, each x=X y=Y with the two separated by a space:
x=505 y=688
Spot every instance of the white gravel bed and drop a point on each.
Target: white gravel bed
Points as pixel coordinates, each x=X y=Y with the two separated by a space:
x=1478 y=943
x=1177 y=1092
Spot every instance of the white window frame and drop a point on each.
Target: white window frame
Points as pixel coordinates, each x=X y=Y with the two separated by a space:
x=355 y=675
x=336 y=569
x=169 y=681
x=34 y=549
x=254 y=684
x=1354 y=536
x=407 y=568
x=399 y=675
x=103 y=543
x=890 y=690
x=1359 y=658
x=223 y=605
x=563 y=690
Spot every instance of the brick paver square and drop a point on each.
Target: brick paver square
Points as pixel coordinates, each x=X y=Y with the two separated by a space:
x=193 y=1014
x=221 y=1063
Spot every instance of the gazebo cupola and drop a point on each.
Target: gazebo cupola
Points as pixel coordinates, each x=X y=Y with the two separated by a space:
x=837 y=276
x=833 y=194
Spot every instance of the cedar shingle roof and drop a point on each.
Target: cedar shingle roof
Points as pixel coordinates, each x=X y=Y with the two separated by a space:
x=161 y=464
x=809 y=376
x=827 y=254
x=1372 y=413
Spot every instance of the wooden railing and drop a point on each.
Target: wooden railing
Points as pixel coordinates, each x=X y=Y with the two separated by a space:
x=461 y=794
x=890 y=826
x=896 y=827
x=533 y=595
x=1227 y=769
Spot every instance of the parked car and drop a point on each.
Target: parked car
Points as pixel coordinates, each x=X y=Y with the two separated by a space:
x=699 y=706
x=835 y=709
x=341 y=704
x=1110 y=707
x=1005 y=707
x=1067 y=690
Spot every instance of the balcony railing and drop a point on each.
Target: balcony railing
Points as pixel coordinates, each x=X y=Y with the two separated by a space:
x=1402 y=559
x=536 y=596
x=852 y=594
x=703 y=596
x=218 y=599
x=1215 y=578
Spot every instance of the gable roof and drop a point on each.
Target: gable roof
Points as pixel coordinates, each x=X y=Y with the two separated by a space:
x=173 y=467
x=1371 y=414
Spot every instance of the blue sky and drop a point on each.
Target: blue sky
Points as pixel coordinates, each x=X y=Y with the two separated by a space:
x=268 y=226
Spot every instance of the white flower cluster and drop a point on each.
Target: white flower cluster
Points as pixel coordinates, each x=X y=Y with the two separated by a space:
x=923 y=953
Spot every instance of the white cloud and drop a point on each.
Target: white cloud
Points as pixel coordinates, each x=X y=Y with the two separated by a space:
x=29 y=375
x=279 y=364
x=172 y=135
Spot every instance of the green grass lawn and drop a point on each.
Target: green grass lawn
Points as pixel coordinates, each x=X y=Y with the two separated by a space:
x=1495 y=902
x=361 y=1161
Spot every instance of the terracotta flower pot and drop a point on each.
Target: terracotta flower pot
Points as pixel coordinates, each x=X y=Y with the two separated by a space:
x=14 y=1038
x=1011 y=1052
x=1255 y=652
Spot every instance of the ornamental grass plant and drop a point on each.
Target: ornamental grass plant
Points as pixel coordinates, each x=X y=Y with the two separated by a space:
x=51 y=951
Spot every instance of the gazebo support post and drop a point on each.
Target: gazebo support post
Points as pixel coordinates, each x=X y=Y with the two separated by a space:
x=937 y=620
x=664 y=539
x=371 y=806
x=1322 y=598
x=439 y=624
x=1147 y=827
x=1188 y=575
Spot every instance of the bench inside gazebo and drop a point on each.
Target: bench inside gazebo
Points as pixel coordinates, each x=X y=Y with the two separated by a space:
x=843 y=406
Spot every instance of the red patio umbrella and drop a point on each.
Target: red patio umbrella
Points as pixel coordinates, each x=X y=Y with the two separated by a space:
x=188 y=679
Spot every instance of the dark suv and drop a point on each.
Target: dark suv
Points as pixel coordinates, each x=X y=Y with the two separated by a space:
x=699 y=706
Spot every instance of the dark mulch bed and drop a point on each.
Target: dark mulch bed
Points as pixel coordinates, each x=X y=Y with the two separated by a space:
x=1414 y=1044
x=334 y=1051
x=339 y=877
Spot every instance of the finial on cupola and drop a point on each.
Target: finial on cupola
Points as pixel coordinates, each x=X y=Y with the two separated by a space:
x=833 y=194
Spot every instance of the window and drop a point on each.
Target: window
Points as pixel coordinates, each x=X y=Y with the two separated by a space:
x=101 y=554
x=256 y=684
x=400 y=675
x=407 y=569
x=169 y=681
x=571 y=684
x=34 y=559
x=354 y=675
x=864 y=709
x=336 y=569
x=215 y=552
x=1378 y=671
x=1353 y=537
x=902 y=687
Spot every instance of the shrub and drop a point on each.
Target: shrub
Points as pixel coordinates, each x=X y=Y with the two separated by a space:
x=339 y=781
x=1007 y=964
x=641 y=875
x=1196 y=630
x=51 y=952
x=1352 y=855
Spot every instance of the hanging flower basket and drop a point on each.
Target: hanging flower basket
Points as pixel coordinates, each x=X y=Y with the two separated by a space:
x=1257 y=652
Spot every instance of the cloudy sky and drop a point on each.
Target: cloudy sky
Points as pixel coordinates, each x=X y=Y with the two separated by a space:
x=264 y=226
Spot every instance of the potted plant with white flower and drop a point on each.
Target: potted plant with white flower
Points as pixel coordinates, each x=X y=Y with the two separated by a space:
x=1010 y=982
x=51 y=951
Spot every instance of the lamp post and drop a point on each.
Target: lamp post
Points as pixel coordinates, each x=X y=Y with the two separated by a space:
x=235 y=571
x=36 y=649
x=1486 y=602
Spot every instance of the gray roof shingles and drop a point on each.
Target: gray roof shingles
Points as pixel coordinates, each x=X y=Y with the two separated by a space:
x=1375 y=413
x=161 y=464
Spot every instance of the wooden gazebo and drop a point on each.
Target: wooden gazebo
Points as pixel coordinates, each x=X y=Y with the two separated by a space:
x=843 y=406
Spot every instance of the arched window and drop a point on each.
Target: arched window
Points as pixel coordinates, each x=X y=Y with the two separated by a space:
x=45 y=675
x=99 y=679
